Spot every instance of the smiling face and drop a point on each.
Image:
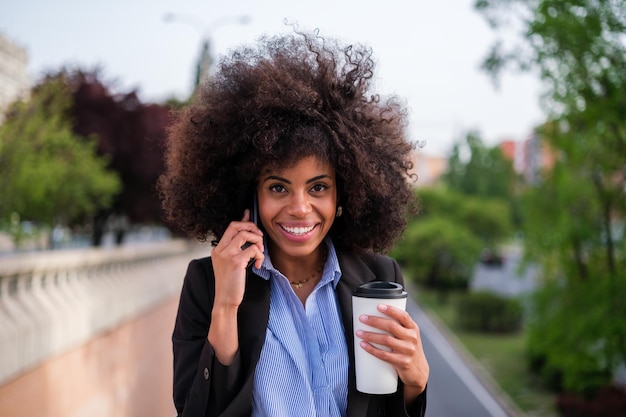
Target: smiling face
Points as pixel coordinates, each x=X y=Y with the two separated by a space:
x=297 y=207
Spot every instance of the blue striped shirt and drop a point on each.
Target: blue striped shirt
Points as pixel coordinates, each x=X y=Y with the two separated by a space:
x=303 y=368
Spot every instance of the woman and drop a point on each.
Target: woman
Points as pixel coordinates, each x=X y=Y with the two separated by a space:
x=286 y=139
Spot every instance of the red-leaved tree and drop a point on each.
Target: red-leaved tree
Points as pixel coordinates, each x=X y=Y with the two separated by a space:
x=132 y=135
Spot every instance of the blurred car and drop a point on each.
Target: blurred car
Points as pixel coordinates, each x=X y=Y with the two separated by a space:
x=491 y=257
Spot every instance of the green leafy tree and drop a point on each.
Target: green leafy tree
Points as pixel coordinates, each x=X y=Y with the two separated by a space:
x=486 y=173
x=438 y=253
x=442 y=243
x=131 y=135
x=48 y=174
x=488 y=219
x=575 y=218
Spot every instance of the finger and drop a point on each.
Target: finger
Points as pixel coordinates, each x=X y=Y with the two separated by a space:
x=247 y=238
x=235 y=228
x=383 y=352
x=390 y=327
x=246 y=215
x=398 y=314
x=253 y=248
x=243 y=242
x=381 y=340
x=258 y=260
x=386 y=324
x=397 y=352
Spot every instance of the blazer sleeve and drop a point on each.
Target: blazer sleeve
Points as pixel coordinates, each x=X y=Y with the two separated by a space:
x=418 y=407
x=202 y=386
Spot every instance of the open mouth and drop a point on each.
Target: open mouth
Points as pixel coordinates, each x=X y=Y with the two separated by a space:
x=297 y=231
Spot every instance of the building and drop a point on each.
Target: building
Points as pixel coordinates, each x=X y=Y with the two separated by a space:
x=14 y=79
x=428 y=168
x=530 y=157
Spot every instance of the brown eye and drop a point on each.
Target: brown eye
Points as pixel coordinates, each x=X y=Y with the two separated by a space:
x=319 y=187
x=277 y=188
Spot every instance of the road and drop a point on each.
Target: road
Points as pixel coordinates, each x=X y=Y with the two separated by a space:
x=454 y=390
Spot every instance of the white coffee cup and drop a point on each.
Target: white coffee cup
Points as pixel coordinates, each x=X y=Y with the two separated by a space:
x=374 y=376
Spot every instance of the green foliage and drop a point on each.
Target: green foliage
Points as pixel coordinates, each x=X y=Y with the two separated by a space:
x=486 y=173
x=574 y=219
x=487 y=219
x=49 y=175
x=563 y=222
x=442 y=244
x=438 y=253
x=576 y=337
x=488 y=312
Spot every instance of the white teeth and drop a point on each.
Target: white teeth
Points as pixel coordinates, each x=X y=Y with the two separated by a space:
x=297 y=230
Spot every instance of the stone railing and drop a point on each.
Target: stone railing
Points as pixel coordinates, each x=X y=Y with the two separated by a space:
x=53 y=301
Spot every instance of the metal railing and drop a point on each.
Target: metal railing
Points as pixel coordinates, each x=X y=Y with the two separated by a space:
x=53 y=301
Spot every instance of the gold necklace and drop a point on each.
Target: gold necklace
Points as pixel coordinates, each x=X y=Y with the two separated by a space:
x=300 y=284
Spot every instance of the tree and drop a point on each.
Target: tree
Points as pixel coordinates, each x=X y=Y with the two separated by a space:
x=442 y=243
x=48 y=174
x=575 y=218
x=486 y=173
x=131 y=135
x=438 y=253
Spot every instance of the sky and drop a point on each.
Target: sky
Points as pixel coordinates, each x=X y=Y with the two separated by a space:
x=427 y=52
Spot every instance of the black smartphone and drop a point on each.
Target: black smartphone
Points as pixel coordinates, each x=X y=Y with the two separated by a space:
x=255 y=210
x=255 y=220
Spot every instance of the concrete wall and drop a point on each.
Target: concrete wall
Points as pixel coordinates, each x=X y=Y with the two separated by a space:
x=125 y=372
x=87 y=332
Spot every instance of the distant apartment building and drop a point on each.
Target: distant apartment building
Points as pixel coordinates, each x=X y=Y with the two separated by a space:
x=14 y=79
x=530 y=157
x=428 y=168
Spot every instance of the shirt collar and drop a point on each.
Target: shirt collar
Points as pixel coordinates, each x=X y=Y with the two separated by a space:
x=332 y=270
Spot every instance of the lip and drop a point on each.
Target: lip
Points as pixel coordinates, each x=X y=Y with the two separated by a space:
x=298 y=232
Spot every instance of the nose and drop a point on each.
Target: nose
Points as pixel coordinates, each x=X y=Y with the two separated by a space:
x=299 y=205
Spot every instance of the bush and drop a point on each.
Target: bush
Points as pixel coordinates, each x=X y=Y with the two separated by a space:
x=489 y=312
x=438 y=253
x=607 y=402
x=574 y=334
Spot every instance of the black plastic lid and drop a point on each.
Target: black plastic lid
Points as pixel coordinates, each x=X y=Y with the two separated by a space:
x=380 y=289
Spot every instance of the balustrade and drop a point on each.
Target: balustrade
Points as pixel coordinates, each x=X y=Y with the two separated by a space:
x=55 y=300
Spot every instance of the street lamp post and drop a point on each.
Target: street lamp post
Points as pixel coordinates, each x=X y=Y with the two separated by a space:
x=206 y=59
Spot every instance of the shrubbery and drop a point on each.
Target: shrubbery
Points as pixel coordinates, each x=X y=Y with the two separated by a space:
x=441 y=246
x=488 y=312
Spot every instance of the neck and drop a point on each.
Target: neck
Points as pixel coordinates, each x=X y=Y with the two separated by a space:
x=303 y=268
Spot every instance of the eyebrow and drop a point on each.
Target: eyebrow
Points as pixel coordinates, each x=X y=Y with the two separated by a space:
x=285 y=180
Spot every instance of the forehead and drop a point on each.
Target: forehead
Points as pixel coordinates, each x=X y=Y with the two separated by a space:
x=303 y=167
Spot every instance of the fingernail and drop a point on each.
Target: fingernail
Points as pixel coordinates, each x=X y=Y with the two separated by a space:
x=359 y=333
x=363 y=317
x=382 y=307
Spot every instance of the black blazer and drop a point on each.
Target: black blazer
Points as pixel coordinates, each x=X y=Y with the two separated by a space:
x=203 y=387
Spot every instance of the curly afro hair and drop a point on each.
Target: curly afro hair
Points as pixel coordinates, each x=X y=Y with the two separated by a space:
x=266 y=107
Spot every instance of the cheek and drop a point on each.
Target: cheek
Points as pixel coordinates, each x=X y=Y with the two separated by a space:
x=329 y=210
x=268 y=211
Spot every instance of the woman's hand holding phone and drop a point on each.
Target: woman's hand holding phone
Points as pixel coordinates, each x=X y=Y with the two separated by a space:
x=230 y=259
x=241 y=242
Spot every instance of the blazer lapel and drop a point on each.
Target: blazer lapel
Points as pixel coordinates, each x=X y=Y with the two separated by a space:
x=354 y=272
x=252 y=319
x=253 y=316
